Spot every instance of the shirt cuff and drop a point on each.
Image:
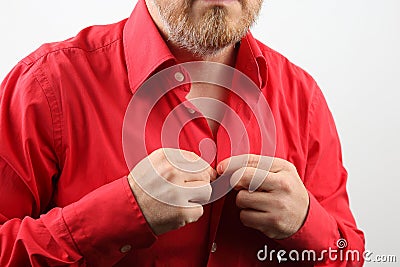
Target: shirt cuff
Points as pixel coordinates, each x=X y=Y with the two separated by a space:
x=107 y=224
x=318 y=233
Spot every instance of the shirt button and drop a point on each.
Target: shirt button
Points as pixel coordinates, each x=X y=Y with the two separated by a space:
x=126 y=249
x=179 y=77
x=191 y=111
x=213 y=247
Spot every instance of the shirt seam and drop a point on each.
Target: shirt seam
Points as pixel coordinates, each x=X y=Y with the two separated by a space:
x=312 y=108
x=55 y=112
x=67 y=228
x=34 y=60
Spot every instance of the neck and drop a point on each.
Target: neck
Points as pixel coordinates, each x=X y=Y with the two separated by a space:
x=225 y=56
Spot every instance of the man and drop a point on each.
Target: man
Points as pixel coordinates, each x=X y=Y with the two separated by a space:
x=67 y=197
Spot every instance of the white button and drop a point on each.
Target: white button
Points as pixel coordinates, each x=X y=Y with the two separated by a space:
x=214 y=247
x=179 y=77
x=191 y=111
x=126 y=249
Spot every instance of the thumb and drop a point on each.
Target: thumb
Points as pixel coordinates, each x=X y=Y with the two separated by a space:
x=234 y=163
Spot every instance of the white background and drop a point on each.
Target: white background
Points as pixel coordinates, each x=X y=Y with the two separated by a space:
x=351 y=47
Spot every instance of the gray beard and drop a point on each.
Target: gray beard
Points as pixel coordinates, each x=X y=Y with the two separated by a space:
x=209 y=36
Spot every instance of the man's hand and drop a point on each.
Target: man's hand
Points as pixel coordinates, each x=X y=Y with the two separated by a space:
x=279 y=206
x=170 y=185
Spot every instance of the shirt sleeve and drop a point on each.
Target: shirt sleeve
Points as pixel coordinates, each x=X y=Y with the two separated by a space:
x=98 y=230
x=329 y=224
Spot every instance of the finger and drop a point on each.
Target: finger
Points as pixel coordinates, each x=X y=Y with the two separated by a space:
x=179 y=155
x=198 y=192
x=206 y=176
x=248 y=178
x=192 y=214
x=186 y=161
x=254 y=179
x=213 y=174
x=255 y=201
x=250 y=160
x=252 y=218
x=264 y=222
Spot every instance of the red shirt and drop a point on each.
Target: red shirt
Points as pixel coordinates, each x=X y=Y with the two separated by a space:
x=64 y=195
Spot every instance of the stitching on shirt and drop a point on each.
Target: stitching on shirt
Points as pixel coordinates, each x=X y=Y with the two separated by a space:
x=34 y=60
x=13 y=170
x=251 y=50
x=153 y=68
x=64 y=225
x=314 y=99
x=54 y=111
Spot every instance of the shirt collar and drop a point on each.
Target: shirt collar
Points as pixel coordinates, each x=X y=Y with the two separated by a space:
x=251 y=61
x=145 y=50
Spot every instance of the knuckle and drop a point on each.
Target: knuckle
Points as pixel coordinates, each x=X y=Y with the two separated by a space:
x=180 y=224
x=205 y=176
x=290 y=166
x=248 y=172
x=169 y=172
x=240 y=194
x=194 y=155
x=275 y=221
x=168 y=166
x=280 y=223
x=241 y=197
x=281 y=226
x=244 y=218
x=194 y=214
x=200 y=211
x=281 y=204
x=191 y=156
x=254 y=160
x=284 y=185
x=158 y=154
x=257 y=175
x=190 y=214
x=157 y=151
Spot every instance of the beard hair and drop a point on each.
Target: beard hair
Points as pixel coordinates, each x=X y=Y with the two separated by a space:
x=212 y=33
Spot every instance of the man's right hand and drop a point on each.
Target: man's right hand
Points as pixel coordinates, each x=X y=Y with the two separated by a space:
x=170 y=186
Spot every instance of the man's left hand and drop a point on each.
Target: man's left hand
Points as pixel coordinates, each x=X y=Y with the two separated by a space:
x=278 y=206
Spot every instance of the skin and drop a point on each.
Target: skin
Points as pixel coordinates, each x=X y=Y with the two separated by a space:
x=204 y=29
x=279 y=206
x=151 y=195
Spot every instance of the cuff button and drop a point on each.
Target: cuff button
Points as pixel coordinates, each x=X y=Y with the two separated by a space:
x=126 y=249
